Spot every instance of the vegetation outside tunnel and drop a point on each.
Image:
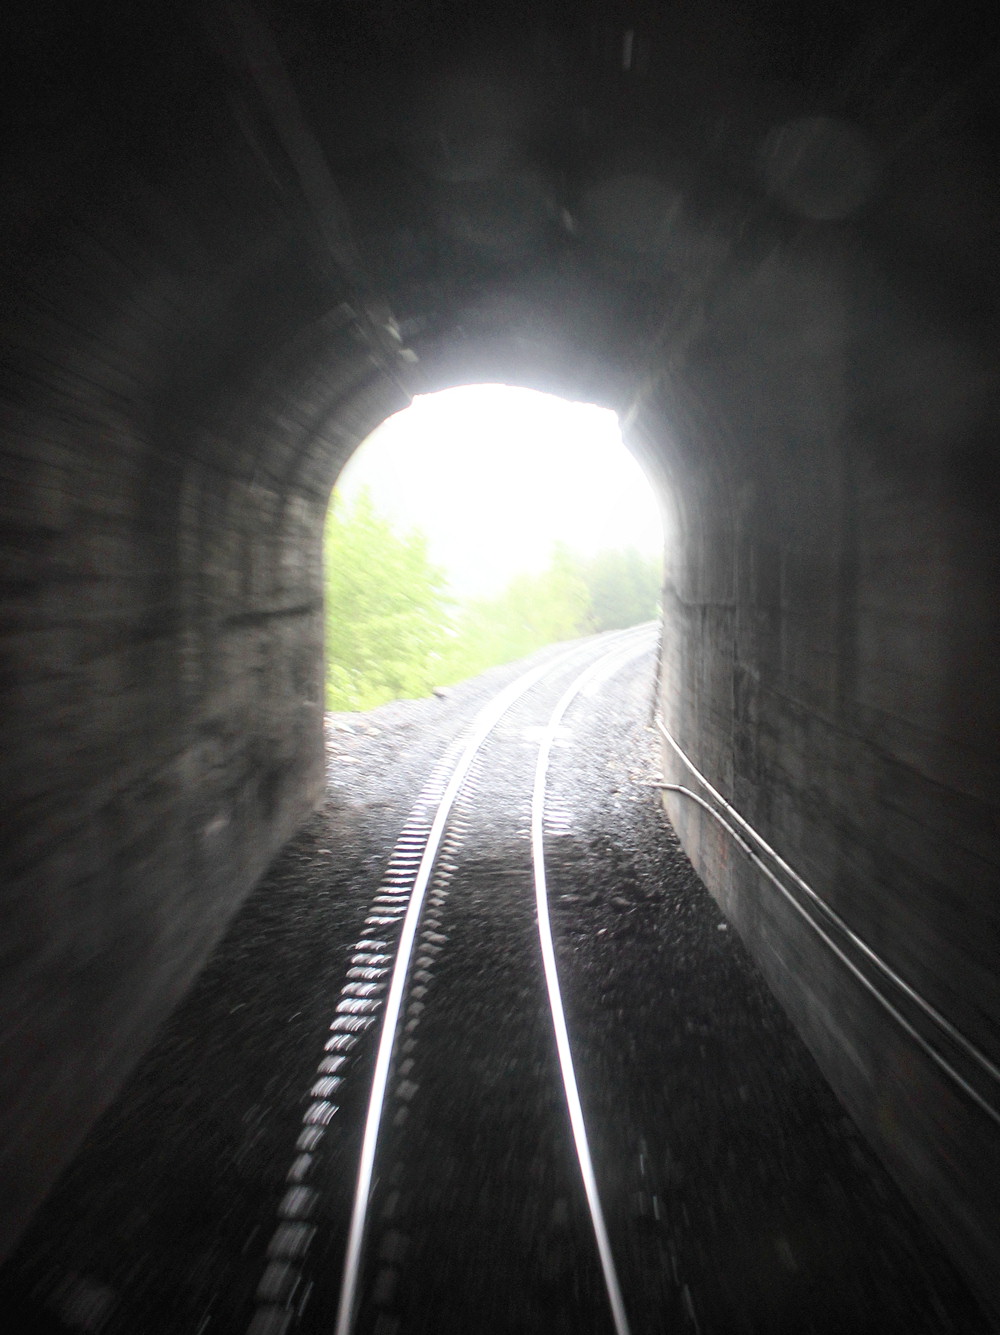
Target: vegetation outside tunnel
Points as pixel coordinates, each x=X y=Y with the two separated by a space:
x=394 y=630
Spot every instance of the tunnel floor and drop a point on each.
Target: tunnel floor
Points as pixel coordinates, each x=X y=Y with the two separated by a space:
x=739 y=1196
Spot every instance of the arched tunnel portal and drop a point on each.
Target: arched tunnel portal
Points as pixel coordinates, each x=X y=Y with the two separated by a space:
x=237 y=237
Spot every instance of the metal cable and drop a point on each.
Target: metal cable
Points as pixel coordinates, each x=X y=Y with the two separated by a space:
x=930 y=1011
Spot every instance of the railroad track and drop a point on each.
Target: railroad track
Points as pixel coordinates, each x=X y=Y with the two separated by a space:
x=451 y=893
x=384 y=1121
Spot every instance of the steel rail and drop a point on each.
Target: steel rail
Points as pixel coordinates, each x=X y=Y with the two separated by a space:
x=483 y=725
x=945 y=1025
x=597 y=673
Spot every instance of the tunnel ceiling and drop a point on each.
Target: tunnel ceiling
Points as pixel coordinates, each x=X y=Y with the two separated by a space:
x=569 y=186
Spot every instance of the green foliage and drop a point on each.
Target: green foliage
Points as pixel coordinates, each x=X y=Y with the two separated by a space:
x=387 y=611
x=532 y=611
x=624 y=588
x=390 y=632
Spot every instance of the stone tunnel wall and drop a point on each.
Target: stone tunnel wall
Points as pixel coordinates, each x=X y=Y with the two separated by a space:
x=830 y=640
x=173 y=352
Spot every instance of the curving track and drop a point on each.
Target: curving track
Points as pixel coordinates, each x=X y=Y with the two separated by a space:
x=431 y=854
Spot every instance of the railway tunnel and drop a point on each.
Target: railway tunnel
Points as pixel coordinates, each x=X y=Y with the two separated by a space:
x=237 y=237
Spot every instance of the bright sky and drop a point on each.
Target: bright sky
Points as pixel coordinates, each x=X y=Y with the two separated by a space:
x=495 y=475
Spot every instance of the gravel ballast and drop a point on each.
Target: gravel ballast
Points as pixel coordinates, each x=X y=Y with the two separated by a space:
x=739 y=1196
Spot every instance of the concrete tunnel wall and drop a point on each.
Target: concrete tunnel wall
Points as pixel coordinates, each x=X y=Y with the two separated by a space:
x=201 y=325
x=829 y=641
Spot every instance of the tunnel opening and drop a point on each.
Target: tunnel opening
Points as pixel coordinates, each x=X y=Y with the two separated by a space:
x=475 y=526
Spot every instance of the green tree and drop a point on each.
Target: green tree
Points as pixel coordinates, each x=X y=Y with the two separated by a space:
x=390 y=632
x=532 y=611
x=387 y=610
x=623 y=586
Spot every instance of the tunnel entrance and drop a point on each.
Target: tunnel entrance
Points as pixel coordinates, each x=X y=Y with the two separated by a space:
x=475 y=526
